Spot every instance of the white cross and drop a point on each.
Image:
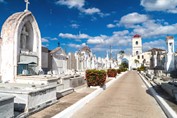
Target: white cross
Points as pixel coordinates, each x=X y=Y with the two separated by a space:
x=27 y=3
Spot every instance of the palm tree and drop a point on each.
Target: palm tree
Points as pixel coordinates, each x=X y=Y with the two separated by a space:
x=136 y=61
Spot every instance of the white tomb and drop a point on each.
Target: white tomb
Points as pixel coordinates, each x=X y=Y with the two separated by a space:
x=21 y=46
x=59 y=61
x=29 y=97
x=169 y=66
x=6 y=106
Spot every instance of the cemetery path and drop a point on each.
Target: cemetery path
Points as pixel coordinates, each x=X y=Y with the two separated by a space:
x=127 y=97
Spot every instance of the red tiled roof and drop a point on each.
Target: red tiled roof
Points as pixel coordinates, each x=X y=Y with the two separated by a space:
x=156 y=49
x=136 y=36
x=169 y=37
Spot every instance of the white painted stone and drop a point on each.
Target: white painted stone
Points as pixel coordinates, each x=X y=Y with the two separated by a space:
x=37 y=80
x=12 y=49
x=66 y=81
x=77 y=81
x=6 y=106
x=59 y=61
x=29 y=97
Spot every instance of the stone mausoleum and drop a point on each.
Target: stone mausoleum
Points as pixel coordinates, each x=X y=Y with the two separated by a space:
x=20 y=46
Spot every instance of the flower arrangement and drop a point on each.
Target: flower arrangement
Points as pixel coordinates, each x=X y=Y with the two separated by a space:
x=112 y=72
x=95 y=77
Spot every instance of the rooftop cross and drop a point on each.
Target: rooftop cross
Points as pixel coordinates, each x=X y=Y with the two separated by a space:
x=27 y=3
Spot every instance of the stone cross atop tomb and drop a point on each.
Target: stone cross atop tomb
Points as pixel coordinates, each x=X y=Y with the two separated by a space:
x=27 y=3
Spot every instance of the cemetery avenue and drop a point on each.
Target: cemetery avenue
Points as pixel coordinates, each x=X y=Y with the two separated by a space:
x=88 y=59
x=123 y=100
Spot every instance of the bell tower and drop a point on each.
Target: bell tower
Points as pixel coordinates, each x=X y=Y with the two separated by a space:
x=136 y=45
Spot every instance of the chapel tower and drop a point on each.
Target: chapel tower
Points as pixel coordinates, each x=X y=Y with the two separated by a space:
x=136 y=45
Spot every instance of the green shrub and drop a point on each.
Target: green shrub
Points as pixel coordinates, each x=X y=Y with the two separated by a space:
x=95 y=77
x=112 y=72
x=118 y=71
x=141 y=68
x=123 y=69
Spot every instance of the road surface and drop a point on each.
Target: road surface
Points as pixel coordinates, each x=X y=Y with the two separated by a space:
x=128 y=97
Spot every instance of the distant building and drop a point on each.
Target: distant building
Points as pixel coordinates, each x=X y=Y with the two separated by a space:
x=59 y=61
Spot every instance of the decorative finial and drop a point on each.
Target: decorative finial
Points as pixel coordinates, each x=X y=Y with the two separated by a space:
x=27 y=3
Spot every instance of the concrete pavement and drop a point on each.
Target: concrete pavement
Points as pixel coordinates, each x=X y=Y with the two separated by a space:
x=127 y=97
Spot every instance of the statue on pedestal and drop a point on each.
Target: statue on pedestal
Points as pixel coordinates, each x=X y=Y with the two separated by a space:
x=24 y=36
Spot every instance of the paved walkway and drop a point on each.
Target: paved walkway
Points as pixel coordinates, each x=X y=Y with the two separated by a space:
x=126 y=98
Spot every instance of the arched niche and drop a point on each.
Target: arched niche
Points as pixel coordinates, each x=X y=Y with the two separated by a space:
x=11 y=44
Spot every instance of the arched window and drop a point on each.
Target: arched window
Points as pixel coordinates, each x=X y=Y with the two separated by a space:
x=138 y=57
x=136 y=42
x=137 y=52
x=142 y=56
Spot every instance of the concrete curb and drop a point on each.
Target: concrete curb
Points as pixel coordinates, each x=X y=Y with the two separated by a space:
x=165 y=107
x=67 y=113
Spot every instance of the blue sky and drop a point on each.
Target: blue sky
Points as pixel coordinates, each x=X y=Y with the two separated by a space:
x=99 y=23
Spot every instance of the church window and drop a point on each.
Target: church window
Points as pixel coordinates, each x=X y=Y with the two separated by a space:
x=142 y=56
x=138 y=57
x=136 y=42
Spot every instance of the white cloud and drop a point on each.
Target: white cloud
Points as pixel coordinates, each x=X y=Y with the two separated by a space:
x=111 y=26
x=46 y=45
x=72 y=3
x=133 y=18
x=79 y=4
x=44 y=40
x=121 y=33
x=75 y=26
x=72 y=36
x=96 y=40
x=90 y=11
x=77 y=46
x=99 y=49
x=153 y=29
x=160 y=5
x=154 y=44
x=119 y=38
x=143 y=25
x=54 y=39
